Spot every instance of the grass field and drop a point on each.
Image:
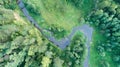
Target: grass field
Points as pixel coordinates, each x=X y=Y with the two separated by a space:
x=59 y=12
x=96 y=60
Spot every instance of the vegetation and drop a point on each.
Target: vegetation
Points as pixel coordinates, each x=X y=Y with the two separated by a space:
x=22 y=45
x=7 y=4
x=106 y=19
x=117 y=1
x=75 y=52
x=61 y=13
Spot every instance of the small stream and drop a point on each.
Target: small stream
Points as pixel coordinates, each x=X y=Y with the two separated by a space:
x=62 y=43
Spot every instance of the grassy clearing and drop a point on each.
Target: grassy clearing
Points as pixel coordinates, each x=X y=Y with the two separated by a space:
x=85 y=6
x=94 y=56
x=60 y=12
x=96 y=60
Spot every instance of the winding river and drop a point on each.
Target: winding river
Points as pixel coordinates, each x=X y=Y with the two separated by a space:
x=85 y=29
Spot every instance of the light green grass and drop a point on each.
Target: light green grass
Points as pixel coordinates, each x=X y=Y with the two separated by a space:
x=60 y=12
x=95 y=59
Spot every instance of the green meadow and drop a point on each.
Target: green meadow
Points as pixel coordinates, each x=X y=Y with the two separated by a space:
x=62 y=13
x=96 y=59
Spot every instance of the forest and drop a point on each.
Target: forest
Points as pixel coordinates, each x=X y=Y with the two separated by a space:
x=23 y=45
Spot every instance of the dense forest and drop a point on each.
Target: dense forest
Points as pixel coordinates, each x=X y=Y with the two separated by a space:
x=106 y=19
x=23 y=45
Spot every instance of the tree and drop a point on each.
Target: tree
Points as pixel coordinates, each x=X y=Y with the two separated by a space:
x=108 y=22
x=104 y=4
x=45 y=61
x=17 y=59
x=58 y=62
x=117 y=1
x=1 y=2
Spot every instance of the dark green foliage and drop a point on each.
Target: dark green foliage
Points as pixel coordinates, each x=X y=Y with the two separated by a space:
x=58 y=32
x=9 y=4
x=108 y=23
x=117 y=1
x=76 y=3
x=74 y=53
x=32 y=8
